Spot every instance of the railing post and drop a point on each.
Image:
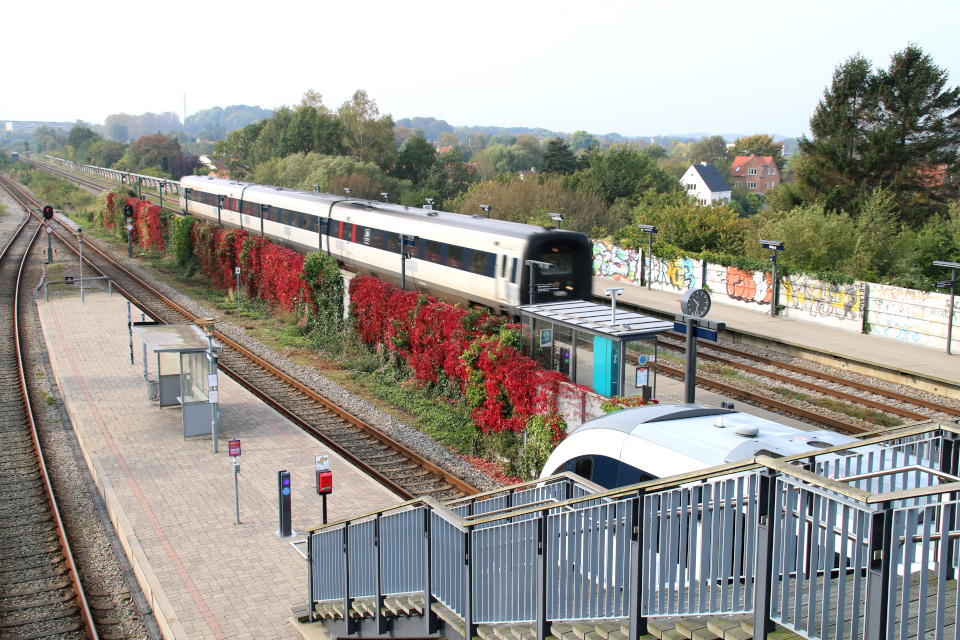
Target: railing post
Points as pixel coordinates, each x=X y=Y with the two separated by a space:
x=638 y=624
x=949 y=463
x=378 y=579
x=543 y=625
x=349 y=624
x=310 y=577
x=470 y=627
x=879 y=559
x=429 y=616
x=764 y=582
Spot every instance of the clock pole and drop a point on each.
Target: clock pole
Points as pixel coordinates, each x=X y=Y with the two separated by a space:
x=690 y=371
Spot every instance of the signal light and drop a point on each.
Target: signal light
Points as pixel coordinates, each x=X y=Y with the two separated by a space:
x=48 y=213
x=128 y=210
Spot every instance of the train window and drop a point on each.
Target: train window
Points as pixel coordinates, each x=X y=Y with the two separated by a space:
x=562 y=261
x=631 y=475
x=513 y=274
x=311 y=222
x=393 y=242
x=296 y=219
x=432 y=251
x=346 y=231
x=480 y=262
x=599 y=469
x=366 y=235
x=248 y=209
x=454 y=256
x=583 y=467
x=376 y=238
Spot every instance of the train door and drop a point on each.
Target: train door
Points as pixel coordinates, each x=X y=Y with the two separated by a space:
x=508 y=282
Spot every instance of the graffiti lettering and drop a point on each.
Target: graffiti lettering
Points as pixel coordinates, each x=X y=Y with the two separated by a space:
x=748 y=286
x=678 y=274
x=610 y=261
x=823 y=300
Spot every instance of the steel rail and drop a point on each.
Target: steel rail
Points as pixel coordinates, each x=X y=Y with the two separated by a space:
x=85 y=613
x=906 y=413
x=285 y=378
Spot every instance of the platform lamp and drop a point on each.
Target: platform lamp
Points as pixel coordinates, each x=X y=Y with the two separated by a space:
x=776 y=246
x=486 y=210
x=556 y=217
x=348 y=191
x=385 y=196
x=316 y=188
x=952 y=284
x=429 y=204
x=650 y=230
x=209 y=325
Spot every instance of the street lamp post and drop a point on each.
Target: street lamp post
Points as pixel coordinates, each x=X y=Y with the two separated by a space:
x=348 y=191
x=429 y=204
x=649 y=229
x=208 y=328
x=316 y=188
x=952 y=283
x=486 y=210
x=160 y=187
x=405 y=241
x=613 y=304
x=776 y=246
x=264 y=208
x=385 y=196
x=556 y=217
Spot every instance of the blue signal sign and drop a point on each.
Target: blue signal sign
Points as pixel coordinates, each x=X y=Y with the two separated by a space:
x=286 y=491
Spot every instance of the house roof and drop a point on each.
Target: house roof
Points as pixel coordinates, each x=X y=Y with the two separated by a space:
x=711 y=177
x=739 y=161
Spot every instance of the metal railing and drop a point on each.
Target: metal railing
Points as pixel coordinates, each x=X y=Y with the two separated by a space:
x=856 y=541
x=171 y=187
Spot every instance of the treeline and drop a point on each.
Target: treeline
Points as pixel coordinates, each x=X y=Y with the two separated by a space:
x=156 y=155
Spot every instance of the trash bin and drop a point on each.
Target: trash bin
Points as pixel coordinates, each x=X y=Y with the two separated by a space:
x=153 y=391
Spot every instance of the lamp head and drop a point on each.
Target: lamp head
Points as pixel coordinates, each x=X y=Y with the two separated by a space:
x=209 y=324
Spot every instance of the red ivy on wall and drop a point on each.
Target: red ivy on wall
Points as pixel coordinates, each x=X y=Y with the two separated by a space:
x=439 y=339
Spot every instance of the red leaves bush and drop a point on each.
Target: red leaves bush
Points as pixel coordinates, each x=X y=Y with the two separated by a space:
x=267 y=271
x=477 y=350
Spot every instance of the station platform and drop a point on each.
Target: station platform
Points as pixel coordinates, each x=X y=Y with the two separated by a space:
x=899 y=362
x=172 y=500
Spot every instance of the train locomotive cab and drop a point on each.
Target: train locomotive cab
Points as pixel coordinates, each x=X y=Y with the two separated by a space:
x=646 y=443
x=569 y=253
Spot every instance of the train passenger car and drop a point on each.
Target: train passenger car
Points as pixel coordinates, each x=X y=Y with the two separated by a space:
x=458 y=258
x=646 y=443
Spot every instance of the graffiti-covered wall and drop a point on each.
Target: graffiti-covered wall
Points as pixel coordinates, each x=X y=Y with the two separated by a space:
x=610 y=261
x=748 y=289
x=908 y=315
x=675 y=275
x=841 y=306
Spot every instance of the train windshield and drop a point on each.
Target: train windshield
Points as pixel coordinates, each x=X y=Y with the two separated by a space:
x=560 y=258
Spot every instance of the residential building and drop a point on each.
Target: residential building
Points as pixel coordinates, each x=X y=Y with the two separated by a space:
x=705 y=183
x=756 y=173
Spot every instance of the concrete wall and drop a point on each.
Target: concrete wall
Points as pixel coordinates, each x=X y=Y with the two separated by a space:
x=908 y=315
x=810 y=300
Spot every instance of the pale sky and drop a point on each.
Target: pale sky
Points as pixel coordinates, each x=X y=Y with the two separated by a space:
x=636 y=68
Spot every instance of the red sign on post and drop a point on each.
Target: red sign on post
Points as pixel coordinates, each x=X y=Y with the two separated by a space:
x=234 y=447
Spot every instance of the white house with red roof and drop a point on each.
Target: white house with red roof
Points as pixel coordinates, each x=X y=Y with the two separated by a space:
x=756 y=173
x=705 y=183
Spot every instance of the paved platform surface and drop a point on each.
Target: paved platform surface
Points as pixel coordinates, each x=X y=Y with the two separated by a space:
x=900 y=362
x=172 y=501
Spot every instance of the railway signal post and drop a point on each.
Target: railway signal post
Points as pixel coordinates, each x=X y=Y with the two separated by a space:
x=80 y=242
x=48 y=216
x=128 y=216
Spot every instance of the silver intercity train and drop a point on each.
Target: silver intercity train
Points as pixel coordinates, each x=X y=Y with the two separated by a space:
x=457 y=258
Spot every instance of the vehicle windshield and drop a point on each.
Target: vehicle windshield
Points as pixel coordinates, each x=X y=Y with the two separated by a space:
x=560 y=258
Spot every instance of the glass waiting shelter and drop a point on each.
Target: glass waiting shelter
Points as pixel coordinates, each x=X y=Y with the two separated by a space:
x=577 y=336
x=184 y=372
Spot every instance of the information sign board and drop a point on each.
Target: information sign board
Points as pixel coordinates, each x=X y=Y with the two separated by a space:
x=234 y=447
x=643 y=376
x=323 y=462
x=214 y=397
x=49 y=230
x=944 y=284
x=546 y=338
x=212 y=380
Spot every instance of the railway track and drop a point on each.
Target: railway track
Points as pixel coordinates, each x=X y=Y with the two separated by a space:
x=392 y=464
x=99 y=184
x=41 y=594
